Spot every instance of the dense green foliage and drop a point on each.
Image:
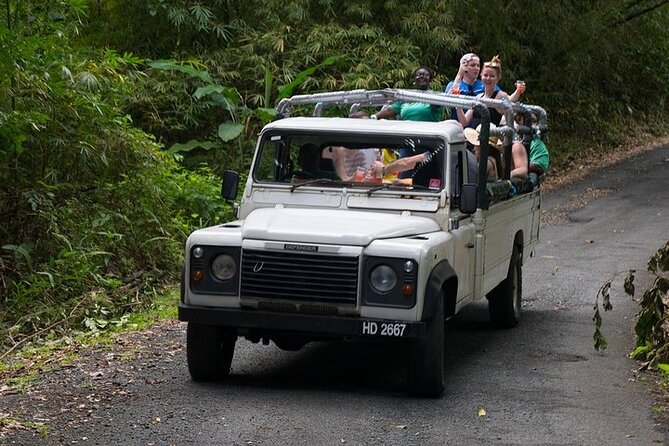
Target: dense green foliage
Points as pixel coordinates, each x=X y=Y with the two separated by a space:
x=594 y=66
x=117 y=116
x=92 y=212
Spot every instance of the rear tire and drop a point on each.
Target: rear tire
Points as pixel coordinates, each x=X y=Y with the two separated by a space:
x=209 y=351
x=504 y=300
x=426 y=357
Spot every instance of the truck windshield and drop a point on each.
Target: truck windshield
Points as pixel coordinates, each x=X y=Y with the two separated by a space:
x=347 y=160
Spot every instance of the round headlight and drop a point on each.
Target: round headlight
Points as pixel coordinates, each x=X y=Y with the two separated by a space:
x=198 y=252
x=409 y=266
x=224 y=267
x=383 y=279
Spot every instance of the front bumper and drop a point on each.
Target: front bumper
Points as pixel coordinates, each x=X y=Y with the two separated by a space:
x=305 y=323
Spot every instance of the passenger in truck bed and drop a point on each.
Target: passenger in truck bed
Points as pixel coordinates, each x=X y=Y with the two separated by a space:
x=495 y=170
x=538 y=152
x=414 y=111
x=490 y=76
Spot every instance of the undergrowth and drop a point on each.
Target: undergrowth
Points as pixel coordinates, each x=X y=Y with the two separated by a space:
x=61 y=346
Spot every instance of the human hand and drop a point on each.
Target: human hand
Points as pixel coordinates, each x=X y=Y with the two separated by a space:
x=377 y=169
x=520 y=87
x=463 y=69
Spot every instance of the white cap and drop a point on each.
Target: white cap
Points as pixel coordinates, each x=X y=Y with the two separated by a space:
x=467 y=57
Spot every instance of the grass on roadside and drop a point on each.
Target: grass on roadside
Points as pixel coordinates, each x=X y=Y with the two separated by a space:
x=9 y=422
x=20 y=369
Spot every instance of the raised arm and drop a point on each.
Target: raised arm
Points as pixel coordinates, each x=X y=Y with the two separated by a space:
x=520 y=89
x=464 y=118
x=400 y=164
x=520 y=162
x=384 y=113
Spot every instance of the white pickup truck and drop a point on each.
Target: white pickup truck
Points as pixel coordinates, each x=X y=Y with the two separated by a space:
x=312 y=256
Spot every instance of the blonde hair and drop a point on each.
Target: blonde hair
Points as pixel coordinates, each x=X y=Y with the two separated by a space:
x=495 y=64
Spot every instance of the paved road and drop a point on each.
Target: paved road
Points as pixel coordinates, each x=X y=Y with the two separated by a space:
x=539 y=384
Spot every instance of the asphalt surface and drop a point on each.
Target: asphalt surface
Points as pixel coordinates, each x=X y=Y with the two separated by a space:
x=541 y=383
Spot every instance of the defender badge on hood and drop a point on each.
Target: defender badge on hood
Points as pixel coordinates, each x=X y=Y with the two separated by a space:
x=305 y=248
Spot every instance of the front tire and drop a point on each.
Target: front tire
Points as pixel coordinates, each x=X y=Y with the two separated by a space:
x=426 y=357
x=504 y=300
x=209 y=351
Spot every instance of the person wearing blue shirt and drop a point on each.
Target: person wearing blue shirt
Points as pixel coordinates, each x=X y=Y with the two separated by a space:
x=467 y=80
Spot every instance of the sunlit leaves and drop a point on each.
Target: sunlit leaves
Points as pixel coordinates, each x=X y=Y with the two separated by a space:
x=87 y=80
x=229 y=130
x=66 y=73
x=201 y=16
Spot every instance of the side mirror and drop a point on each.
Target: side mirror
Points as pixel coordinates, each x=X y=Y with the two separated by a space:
x=468 y=196
x=230 y=185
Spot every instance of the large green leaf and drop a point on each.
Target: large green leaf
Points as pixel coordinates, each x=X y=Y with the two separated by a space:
x=229 y=130
x=168 y=65
x=287 y=90
x=190 y=145
x=229 y=92
x=265 y=114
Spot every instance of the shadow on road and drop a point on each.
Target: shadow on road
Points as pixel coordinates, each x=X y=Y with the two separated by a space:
x=379 y=368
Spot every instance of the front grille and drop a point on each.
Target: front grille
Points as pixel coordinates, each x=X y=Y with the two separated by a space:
x=299 y=277
x=287 y=307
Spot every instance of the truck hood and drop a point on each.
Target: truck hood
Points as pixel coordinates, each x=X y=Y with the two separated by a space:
x=331 y=226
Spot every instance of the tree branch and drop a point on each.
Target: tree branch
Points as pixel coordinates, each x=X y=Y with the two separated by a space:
x=646 y=10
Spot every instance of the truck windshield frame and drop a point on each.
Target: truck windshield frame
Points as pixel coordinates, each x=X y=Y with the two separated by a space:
x=290 y=157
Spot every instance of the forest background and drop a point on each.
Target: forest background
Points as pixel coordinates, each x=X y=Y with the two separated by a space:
x=117 y=116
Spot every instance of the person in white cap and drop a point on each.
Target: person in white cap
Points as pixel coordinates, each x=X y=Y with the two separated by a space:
x=468 y=82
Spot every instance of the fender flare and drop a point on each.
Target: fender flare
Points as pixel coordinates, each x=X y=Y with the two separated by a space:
x=442 y=278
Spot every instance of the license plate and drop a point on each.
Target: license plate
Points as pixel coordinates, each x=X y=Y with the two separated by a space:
x=386 y=329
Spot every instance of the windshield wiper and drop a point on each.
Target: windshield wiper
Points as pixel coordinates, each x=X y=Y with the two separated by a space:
x=377 y=188
x=315 y=180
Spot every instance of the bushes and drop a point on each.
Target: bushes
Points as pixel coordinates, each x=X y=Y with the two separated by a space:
x=73 y=245
x=92 y=212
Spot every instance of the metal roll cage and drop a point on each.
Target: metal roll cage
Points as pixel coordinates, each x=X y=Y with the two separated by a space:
x=379 y=98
